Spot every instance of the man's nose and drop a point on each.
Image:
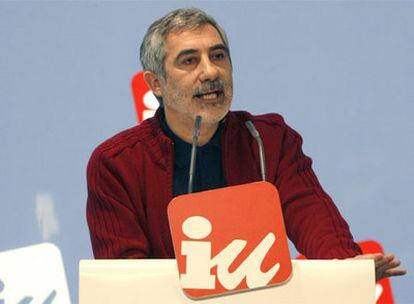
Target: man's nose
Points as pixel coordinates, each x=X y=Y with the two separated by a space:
x=208 y=70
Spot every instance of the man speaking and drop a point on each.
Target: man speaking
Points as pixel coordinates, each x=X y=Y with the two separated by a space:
x=134 y=175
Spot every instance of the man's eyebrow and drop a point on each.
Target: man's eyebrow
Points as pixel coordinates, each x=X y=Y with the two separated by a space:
x=185 y=52
x=219 y=47
x=192 y=51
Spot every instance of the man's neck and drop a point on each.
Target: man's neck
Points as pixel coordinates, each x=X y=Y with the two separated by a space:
x=184 y=129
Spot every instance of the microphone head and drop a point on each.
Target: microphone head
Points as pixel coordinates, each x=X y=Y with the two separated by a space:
x=252 y=129
x=197 y=125
x=198 y=121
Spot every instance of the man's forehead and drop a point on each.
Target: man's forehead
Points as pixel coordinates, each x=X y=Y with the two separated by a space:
x=203 y=36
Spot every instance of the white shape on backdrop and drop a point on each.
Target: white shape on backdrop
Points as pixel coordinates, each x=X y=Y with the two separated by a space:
x=378 y=291
x=46 y=216
x=34 y=275
x=151 y=102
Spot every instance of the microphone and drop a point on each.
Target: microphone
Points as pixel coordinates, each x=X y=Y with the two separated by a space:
x=256 y=135
x=193 y=153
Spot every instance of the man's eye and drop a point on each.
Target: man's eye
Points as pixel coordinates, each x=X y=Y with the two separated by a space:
x=219 y=56
x=189 y=60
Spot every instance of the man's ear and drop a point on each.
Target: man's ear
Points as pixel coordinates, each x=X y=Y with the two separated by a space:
x=154 y=82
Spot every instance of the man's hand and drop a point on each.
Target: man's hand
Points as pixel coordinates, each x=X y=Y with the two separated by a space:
x=385 y=265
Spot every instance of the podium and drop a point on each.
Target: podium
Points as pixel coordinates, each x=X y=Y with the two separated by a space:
x=157 y=281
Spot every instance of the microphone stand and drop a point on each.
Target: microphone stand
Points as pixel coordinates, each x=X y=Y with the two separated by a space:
x=253 y=131
x=193 y=153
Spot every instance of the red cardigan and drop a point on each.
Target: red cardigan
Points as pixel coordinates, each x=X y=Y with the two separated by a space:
x=130 y=185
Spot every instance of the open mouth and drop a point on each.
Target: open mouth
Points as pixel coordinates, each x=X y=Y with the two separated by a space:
x=213 y=95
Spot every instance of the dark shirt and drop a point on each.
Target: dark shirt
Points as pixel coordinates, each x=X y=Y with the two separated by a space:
x=208 y=172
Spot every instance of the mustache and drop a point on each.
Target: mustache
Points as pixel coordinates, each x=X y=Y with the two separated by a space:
x=210 y=86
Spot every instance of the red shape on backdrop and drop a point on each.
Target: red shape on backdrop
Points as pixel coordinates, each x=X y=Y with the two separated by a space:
x=145 y=102
x=383 y=293
x=383 y=287
x=229 y=239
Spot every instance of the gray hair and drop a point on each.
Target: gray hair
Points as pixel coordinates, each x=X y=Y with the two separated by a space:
x=152 y=51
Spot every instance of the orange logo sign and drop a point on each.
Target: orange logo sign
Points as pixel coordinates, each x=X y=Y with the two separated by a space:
x=229 y=239
x=145 y=102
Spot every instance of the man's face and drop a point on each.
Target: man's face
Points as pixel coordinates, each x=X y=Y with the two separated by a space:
x=198 y=75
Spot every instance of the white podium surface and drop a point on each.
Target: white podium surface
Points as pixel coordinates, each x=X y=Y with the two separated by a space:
x=157 y=281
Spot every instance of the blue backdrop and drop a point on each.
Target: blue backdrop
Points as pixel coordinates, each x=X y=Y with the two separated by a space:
x=341 y=73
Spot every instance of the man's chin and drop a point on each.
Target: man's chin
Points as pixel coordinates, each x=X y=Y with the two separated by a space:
x=212 y=116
